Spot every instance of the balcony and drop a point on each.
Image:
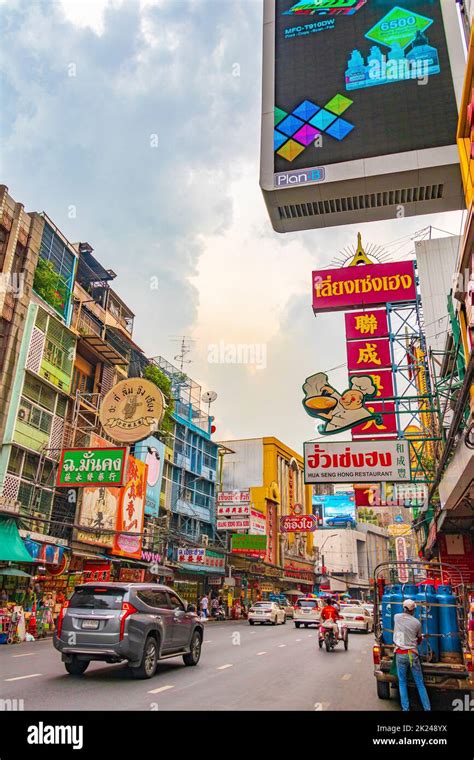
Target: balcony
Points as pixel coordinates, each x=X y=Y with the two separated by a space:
x=97 y=336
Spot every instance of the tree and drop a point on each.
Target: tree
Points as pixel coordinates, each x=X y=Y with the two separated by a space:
x=158 y=378
x=50 y=285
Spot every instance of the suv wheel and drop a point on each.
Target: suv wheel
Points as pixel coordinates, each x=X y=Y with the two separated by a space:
x=76 y=667
x=147 y=667
x=194 y=655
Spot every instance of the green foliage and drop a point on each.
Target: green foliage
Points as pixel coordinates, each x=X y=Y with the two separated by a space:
x=156 y=376
x=49 y=285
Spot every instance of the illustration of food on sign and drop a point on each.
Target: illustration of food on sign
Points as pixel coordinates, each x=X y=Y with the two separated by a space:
x=338 y=411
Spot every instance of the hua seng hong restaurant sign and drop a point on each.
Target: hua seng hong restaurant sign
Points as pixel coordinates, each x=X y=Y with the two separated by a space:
x=356 y=462
x=368 y=285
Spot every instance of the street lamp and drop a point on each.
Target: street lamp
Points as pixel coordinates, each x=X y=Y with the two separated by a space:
x=333 y=535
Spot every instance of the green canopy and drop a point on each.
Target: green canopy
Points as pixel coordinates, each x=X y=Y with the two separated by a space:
x=12 y=548
x=14 y=571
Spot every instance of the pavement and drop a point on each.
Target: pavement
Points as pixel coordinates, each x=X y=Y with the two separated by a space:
x=242 y=667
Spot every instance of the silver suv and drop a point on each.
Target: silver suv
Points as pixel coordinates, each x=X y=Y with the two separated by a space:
x=138 y=622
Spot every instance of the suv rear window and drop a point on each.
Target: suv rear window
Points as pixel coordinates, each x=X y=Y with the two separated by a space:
x=97 y=598
x=306 y=603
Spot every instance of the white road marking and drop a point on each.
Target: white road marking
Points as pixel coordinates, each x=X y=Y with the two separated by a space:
x=20 y=678
x=310 y=635
x=281 y=645
x=297 y=639
x=223 y=667
x=259 y=653
x=346 y=676
x=27 y=654
x=161 y=688
x=358 y=660
x=321 y=705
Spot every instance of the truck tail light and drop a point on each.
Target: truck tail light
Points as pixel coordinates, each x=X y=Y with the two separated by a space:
x=59 y=623
x=376 y=655
x=127 y=610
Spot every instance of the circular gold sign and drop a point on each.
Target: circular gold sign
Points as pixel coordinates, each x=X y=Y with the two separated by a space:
x=132 y=410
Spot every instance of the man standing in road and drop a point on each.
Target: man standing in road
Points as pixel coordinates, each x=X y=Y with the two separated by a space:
x=204 y=605
x=406 y=637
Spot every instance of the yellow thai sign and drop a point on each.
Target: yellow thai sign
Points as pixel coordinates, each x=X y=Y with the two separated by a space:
x=399 y=529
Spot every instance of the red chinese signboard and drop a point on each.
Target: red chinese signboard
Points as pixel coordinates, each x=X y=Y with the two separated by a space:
x=372 y=284
x=366 y=324
x=385 y=425
x=363 y=355
x=131 y=512
x=297 y=524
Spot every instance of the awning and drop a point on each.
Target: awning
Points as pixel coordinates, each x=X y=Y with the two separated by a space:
x=200 y=569
x=12 y=548
x=14 y=571
x=293 y=592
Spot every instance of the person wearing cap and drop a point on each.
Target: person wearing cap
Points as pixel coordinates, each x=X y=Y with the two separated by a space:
x=406 y=637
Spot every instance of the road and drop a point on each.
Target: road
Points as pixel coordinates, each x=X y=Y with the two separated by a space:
x=242 y=667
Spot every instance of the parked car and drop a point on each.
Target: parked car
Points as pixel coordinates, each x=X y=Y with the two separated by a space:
x=307 y=611
x=289 y=611
x=339 y=520
x=266 y=612
x=140 y=623
x=357 y=618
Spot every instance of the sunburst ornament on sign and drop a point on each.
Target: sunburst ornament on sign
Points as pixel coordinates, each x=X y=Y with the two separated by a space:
x=358 y=255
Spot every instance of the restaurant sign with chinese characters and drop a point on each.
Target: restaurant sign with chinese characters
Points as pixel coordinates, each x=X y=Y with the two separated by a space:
x=356 y=462
x=89 y=467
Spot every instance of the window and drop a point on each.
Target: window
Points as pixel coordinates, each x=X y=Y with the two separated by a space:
x=37 y=391
x=34 y=416
x=152 y=598
x=16 y=461
x=97 y=599
x=176 y=604
x=82 y=382
x=54 y=355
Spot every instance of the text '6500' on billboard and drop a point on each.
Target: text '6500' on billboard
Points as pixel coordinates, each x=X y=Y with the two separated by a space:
x=356 y=462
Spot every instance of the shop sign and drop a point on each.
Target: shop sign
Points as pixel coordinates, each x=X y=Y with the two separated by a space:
x=214 y=560
x=132 y=410
x=368 y=355
x=382 y=424
x=131 y=575
x=152 y=452
x=219 y=581
x=42 y=552
x=248 y=544
x=88 y=467
x=10 y=506
x=340 y=411
x=297 y=524
x=151 y=557
x=366 y=324
x=356 y=462
x=298 y=570
x=399 y=529
x=233 y=509
x=402 y=554
x=96 y=571
x=131 y=512
x=258 y=523
x=233 y=497
x=383 y=381
x=230 y=524
x=191 y=556
x=372 y=284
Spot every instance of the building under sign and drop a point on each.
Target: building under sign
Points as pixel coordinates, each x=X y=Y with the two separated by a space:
x=359 y=113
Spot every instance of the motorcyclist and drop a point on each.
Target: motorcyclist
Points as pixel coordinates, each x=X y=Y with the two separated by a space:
x=330 y=616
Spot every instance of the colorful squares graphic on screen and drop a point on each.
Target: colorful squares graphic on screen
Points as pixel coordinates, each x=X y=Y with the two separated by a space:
x=296 y=130
x=325 y=7
x=290 y=150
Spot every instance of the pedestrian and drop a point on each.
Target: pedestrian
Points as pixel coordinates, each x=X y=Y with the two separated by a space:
x=204 y=603
x=406 y=637
x=214 y=606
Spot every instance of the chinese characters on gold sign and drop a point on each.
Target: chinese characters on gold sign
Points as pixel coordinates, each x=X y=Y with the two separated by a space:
x=131 y=511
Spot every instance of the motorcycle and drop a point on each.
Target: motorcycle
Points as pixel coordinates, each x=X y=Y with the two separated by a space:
x=328 y=637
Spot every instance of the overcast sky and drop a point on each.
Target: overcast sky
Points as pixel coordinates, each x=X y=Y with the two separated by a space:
x=135 y=126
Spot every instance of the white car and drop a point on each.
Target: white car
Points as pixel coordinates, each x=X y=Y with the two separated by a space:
x=266 y=612
x=307 y=612
x=356 y=618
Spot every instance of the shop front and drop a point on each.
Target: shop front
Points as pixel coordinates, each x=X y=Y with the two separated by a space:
x=298 y=578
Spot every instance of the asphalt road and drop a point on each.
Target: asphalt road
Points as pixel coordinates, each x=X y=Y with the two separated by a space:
x=242 y=667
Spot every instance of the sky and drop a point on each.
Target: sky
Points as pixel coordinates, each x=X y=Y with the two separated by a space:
x=135 y=126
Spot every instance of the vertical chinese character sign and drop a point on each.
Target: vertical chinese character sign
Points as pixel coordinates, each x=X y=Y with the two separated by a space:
x=131 y=511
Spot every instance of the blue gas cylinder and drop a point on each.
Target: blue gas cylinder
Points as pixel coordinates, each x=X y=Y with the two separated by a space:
x=427 y=612
x=450 y=641
x=387 y=627
x=396 y=599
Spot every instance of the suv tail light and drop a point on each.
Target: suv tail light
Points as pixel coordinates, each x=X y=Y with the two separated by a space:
x=59 y=623
x=376 y=655
x=127 y=610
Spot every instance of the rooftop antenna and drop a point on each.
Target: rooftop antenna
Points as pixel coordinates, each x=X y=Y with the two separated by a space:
x=185 y=349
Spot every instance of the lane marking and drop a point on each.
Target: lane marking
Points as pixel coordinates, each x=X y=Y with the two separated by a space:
x=281 y=645
x=358 y=660
x=321 y=705
x=223 y=667
x=297 y=639
x=310 y=635
x=259 y=653
x=21 y=678
x=346 y=676
x=161 y=688
x=27 y=654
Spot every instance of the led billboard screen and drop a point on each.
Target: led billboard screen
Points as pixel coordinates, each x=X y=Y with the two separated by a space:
x=335 y=511
x=359 y=79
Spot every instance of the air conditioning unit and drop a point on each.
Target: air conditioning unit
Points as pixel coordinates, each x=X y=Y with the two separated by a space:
x=23 y=413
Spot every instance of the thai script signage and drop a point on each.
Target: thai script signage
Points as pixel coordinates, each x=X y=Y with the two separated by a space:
x=88 y=467
x=254 y=546
x=372 y=284
x=356 y=462
x=233 y=497
x=299 y=524
x=132 y=410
